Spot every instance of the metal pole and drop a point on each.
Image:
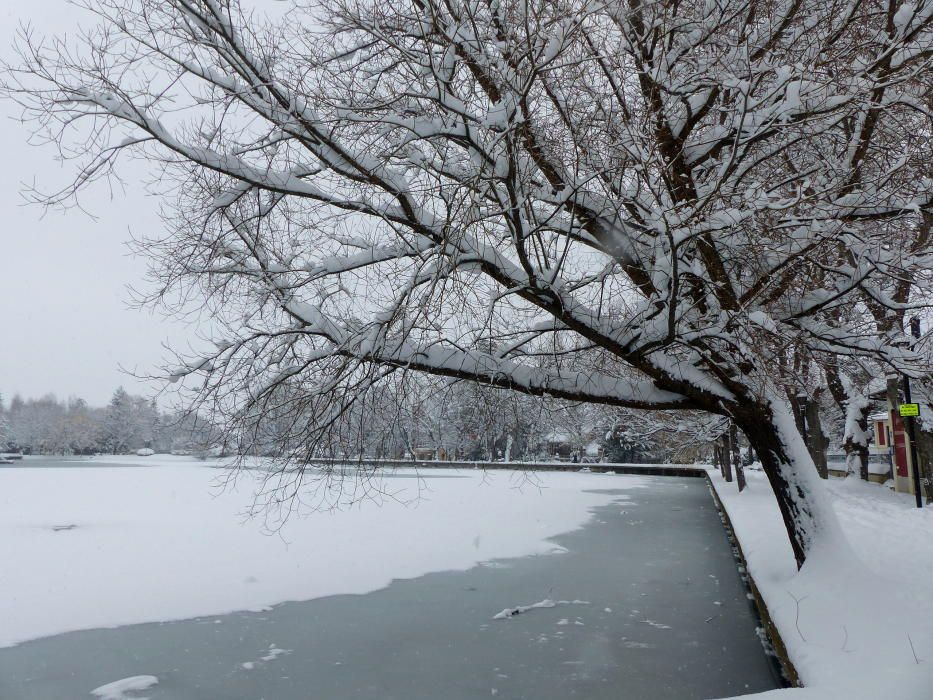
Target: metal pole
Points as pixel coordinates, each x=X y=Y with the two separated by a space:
x=911 y=432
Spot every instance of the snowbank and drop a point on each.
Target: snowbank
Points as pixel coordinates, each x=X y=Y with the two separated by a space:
x=87 y=546
x=856 y=629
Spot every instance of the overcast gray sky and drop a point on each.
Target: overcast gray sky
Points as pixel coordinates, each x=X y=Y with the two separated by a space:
x=65 y=325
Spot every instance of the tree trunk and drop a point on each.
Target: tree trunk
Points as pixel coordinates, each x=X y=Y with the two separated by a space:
x=816 y=439
x=725 y=450
x=857 y=450
x=736 y=456
x=925 y=457
x=808 y=519
x=856 y=408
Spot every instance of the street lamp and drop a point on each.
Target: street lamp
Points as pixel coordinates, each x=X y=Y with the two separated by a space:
x=909 y=418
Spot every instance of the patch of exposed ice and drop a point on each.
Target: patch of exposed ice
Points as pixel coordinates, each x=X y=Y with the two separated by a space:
x=117 y=690
x=546 y=603
x=636 y=645
x=657 y=625
x=274 y=652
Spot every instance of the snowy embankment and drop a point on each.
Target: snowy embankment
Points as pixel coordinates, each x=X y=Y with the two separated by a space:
x=85 y=546
x=855 y=630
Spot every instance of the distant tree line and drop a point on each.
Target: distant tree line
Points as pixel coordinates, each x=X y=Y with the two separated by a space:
x=128 y=423
x=416 y=417
x=422 y=417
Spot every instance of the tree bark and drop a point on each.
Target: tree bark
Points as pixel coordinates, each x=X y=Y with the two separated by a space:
x=725 y=450
x=856 y=409
x=925 y=457
x=736 y=456
x=816 y=439
x=771 y=430
x=858 y=451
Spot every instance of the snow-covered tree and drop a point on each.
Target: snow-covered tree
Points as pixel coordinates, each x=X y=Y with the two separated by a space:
x=188 y=433
x=671 y=198
x=80 y=430
x=491 y=423
x=36 y=424
x=4 y=426
x=662 y=436
x=13 y=424
x=121 y=426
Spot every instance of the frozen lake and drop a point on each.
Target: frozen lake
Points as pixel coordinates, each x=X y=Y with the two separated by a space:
x=647 y=604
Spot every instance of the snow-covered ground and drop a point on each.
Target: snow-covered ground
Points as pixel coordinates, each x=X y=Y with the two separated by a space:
x=855 y=630
x=100 y=546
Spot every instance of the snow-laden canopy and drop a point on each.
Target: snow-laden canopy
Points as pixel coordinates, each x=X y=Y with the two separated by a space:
x=645 y=204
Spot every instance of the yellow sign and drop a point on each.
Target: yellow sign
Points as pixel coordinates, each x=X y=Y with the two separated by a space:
x=909 y=409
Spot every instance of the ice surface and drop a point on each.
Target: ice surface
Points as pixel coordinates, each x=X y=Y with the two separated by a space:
x=165 y=535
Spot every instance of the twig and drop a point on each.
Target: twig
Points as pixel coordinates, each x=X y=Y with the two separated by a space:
x=846 y=641
x=798 y=601
x=913 y=651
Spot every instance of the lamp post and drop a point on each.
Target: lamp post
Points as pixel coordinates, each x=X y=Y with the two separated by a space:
x=911 y=430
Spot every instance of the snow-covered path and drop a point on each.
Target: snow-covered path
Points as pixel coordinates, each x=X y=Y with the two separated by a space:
x=855 y=630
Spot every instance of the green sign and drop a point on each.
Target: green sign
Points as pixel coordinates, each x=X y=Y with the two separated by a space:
x=909 y=409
